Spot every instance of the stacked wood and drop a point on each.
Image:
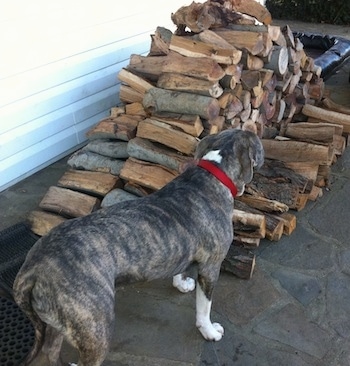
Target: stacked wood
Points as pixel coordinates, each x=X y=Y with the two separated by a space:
x=227 y=72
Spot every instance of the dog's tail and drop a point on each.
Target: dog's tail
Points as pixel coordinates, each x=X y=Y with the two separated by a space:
x=22 y=291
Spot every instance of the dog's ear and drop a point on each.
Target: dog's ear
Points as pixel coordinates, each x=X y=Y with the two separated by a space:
x=250 y=154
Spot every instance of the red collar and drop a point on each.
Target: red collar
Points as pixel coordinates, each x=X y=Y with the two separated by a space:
x=219 y=174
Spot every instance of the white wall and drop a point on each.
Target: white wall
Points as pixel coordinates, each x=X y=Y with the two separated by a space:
x=59 y=62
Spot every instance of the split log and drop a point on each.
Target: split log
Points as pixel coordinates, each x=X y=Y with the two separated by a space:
x=94 y=183
x=147 y=174
x=251 y=62
x=189 y=84
x=188 y=123
x=328 y=116
x=137 y=190
x=289 y=222
x=42 y=222
x=88 y=160
x=263 y=204
x=167 y=135
x=117 y=111
x=251 y=41
x=160 y=100
x=274 y=226
x=331 y=105
x=201 y=68
x=68 y=203
x=192 y=48
x=251 y=222
x=289 y=36
x=135 y=108
x=233 y=108
x=120 y=128
x=296 y=151
x=149 y=67
x=246 y=242
x=254 y=9
x=198 y=17
x=274 y=31
x=160 y=42
x=307 y=169
x=114 y=149
x=322 y=132
x=144 y=149
x=283 y=192
x=136 y=82
x=210 y=37
x=239 y=262
x=280 y=172
x=129 y=95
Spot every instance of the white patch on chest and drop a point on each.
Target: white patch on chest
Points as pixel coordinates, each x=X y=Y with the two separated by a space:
x=213 y=155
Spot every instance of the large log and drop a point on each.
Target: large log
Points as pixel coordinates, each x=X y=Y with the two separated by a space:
x=239 y=262
x=167 y=135
x=136 y=82
x=147 y=174
x=327 y=116
x=88 y=160
x=95 y=183
x=42 y=222
x=293 y=151
x=249 y=224
x=263 y=204
x=189 y=123
x=193 y=48
x=144 y=149
x=251 y=41
x=183 y=83
x=68 y=203
x=160 y=100
x=328 y=103
x=202 y=68
x=114 y=149
x=322 y=132
x=120 y=128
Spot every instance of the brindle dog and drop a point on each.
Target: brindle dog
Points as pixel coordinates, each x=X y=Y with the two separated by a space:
x=67 y=284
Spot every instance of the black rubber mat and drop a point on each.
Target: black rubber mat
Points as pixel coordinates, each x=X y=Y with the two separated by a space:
x=16 y=331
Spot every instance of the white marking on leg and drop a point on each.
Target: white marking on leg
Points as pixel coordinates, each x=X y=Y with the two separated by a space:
x=184 y=284
x=213 y=155
x=210 y=331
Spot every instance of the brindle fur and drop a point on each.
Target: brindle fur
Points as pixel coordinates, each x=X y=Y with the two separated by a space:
x=67 y=284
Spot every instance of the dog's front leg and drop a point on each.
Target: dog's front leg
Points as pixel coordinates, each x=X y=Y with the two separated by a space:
x=210 y=331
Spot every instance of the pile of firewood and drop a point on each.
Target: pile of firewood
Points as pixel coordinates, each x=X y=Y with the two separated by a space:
x=219 y=70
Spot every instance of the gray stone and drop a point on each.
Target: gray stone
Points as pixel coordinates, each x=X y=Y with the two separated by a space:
x=338 y=303
x=300 y=250
x=241 y=300
x=331 y=218
x=303 y=287
x=291 y=327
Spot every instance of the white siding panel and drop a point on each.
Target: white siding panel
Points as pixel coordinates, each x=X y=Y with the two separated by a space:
x=58 y=73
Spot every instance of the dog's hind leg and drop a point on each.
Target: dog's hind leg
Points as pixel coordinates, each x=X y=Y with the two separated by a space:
x=49 y=354
x=205 y=286
x=183 y=283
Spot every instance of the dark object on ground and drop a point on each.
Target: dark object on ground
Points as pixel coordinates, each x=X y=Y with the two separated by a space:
x=329 y=52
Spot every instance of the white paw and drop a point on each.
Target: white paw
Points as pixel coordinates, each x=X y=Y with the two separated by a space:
x=72 y=364
x=211 y=331
x=184 y=285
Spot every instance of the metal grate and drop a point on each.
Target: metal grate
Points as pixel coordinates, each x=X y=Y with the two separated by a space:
x=16 y=333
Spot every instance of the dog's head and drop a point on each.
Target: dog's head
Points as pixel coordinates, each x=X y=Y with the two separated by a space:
x=235 y=152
